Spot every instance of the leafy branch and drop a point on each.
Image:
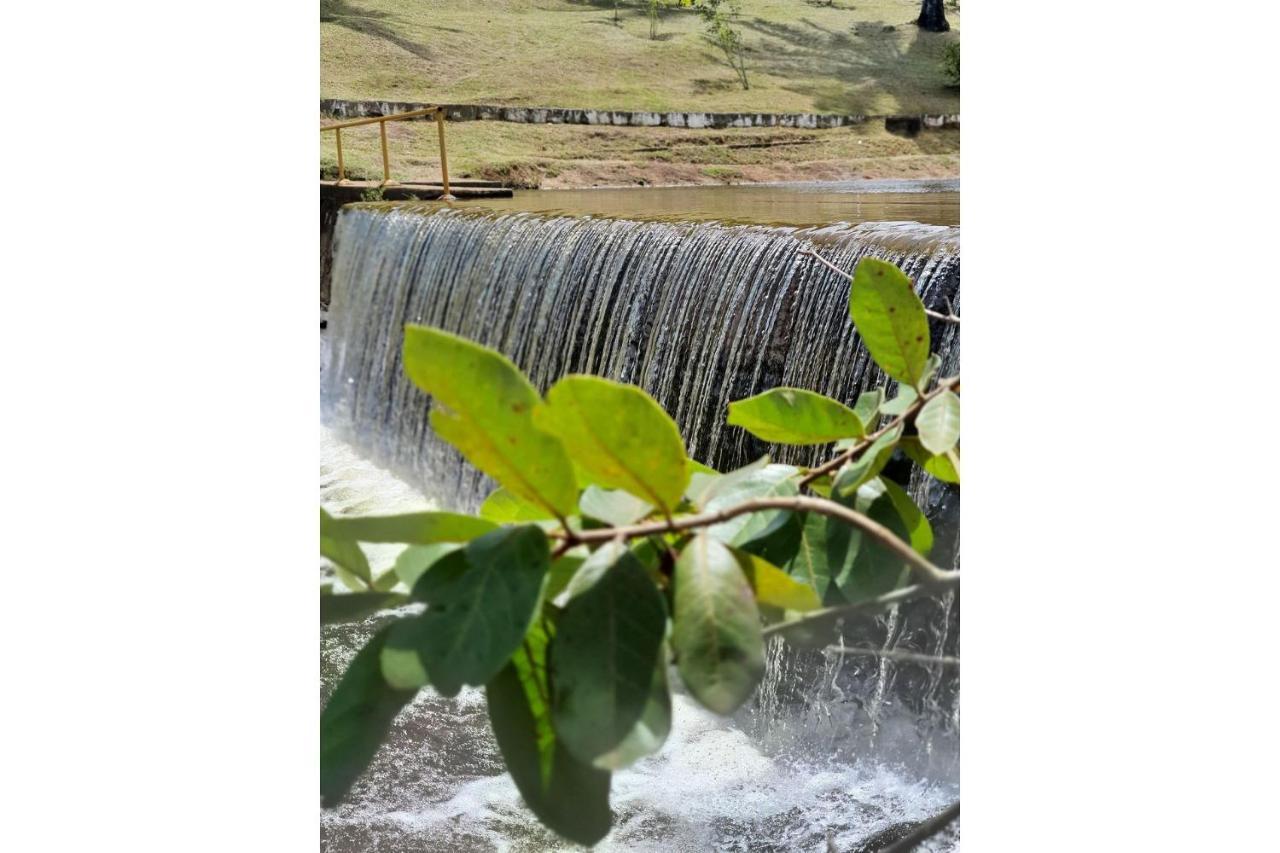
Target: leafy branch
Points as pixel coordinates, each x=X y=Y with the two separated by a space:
x=606 y=552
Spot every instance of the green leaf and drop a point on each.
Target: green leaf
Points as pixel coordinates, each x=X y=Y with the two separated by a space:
x=930 y=368
x=774 y=587
x=620 y=436
x=870 y=463
x=481 y=601
x=771 y=481
x=602 y=657
x=899 y=404
x=826 y=552
x=502 y=507
x=938 y=423
x=386 y=582
x=717 y=641
x=945 y=468
x=414 y=528
x=701 y=485
x=357 y=605
x=563 y=569
x=484 y=407
x=613 y=506
x=698 y=468
x=568 y=796
x=349 y=561
x=891 y=319
x=875 y=569
x=919 y=531
x=355 y=720
x=650 y=732
x=416 y=559
x=795 y=416
x=868 y=407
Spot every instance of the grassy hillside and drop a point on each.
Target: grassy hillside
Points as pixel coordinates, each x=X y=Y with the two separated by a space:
x=844 y=56
x=575 y=156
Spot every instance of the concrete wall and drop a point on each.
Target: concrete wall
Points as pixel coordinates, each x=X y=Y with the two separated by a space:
x=338 y=108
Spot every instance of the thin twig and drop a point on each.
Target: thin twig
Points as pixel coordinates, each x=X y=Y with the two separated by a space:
x=893 y=654
x=906 y=593
x=836 y=462
x=949 y=317
x=924 y=831
x=927 y=571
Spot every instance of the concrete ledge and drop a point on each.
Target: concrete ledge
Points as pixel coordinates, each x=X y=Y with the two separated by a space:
x=338 y=108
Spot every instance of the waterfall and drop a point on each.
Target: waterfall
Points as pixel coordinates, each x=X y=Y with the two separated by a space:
x=698 y=315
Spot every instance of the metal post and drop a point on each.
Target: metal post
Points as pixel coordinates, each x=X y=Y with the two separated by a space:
x=342 y=172
x=386 y=166
x=444 y=161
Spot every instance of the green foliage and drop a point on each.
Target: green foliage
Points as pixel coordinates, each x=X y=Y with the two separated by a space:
x=938 y=423
x=797 y=416
x=356 y=606
x=717 y=640
x=355 y=720
x=606 y=553
x=620 y=435
x=484 y=407
x=417 y=528
x=569 y=796
x=951 y=61
x=721 y=20
x=481 y=601
x=891 y=320
x=604 y=653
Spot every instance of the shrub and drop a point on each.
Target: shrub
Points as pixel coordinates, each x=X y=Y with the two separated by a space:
x=951 y=63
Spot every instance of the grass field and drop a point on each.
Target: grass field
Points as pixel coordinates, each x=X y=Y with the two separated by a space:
x=552 y=155
x=843 y=56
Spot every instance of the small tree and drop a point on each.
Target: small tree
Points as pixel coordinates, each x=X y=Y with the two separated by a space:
x=721 y=17
x=655 y=11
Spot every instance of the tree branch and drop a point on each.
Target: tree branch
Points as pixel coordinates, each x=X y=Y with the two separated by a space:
x=948 y=317
x=834 y=463
x=927 y=571
x=924 y=831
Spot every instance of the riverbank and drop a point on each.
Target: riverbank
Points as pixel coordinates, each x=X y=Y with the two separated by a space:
x=578 y=156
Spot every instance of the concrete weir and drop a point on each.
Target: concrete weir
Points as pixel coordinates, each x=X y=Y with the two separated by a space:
x=344 y=109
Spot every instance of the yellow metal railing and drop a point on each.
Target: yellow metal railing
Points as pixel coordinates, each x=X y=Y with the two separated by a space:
x=381 y=121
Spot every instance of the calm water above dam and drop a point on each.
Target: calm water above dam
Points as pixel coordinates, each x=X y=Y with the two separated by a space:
x=932 y=202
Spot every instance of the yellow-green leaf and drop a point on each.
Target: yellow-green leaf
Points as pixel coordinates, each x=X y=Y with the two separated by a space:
x=945 y=467
x=413 y=528
x=891 y=320
x=620 y=436
x=775 y=587
x=795 y=416
x=938 y=423
x=484 y=407
x=503 y=507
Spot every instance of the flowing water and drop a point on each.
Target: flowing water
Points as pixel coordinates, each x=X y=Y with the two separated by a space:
x=699 y=315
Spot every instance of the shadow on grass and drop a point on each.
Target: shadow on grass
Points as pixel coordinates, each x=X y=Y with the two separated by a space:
x=867 y=56
x=359 y=20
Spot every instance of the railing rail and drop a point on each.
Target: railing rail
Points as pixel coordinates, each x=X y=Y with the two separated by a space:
x=381 y=121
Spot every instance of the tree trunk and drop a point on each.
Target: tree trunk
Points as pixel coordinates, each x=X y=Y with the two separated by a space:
x=932 y=17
